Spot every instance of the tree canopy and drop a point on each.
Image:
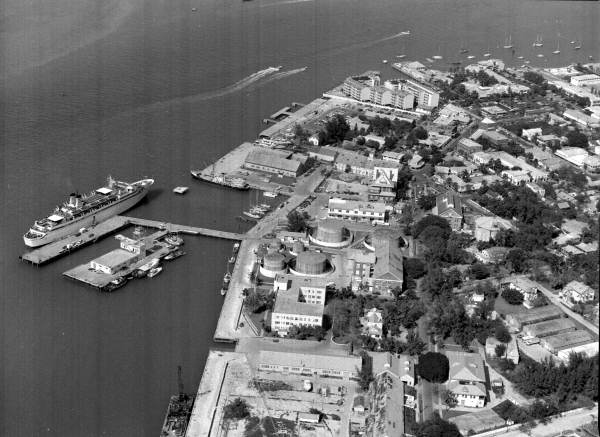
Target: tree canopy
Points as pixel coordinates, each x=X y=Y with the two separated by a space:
x=436 y=427
x=335 y=130
x=235 y=410
x=434 y=367
x=297 y=222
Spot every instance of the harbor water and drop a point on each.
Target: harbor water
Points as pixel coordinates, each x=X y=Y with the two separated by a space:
x=152 y=88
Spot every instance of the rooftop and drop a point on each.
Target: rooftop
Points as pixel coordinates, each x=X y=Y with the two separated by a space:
x=568 y=339
x=388 y=264
x=272 y=158
x=465 y=366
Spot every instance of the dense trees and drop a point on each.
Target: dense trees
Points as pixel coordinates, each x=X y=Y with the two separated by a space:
x=479 y=271
x=533 y=77
x=577 y=139
x=566 y=173
x=436 y=427
x=414 y=268
x=501 y=333
x=403 y=312
x=304 y=332
x=427 y=201
x=366 y=371
x=499 y=350
x=258 y=301
x=402 y=185
x=235 y=410
x=434 y=367
x=297 y=222
x=512 y=296
x=485 y=79
x=564 y=382
x=432 y=221
x=335 y=130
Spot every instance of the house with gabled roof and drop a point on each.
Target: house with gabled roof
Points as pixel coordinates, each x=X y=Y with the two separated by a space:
x=382 y=188
x=467 y=379
x=449 y=206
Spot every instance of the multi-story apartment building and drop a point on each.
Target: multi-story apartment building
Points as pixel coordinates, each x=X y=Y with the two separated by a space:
x=359 y=211
x=300 y=301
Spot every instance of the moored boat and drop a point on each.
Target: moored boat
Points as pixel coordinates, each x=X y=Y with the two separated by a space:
x=83 y=211
x=154 y=271
x=223 y=180
x=115 y=283
x=174 y=255
x=174 y=240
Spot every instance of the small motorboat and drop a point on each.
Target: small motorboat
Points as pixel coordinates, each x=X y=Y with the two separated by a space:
x=174 y=240
x=155 y=271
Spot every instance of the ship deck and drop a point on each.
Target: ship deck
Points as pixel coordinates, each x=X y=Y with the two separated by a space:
x=56 y=249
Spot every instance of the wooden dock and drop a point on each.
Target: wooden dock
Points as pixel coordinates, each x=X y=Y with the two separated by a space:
x=69 y=244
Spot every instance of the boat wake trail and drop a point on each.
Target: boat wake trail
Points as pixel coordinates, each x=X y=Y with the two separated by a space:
x=285 y=2
x=360 y=45
x=284 y=74
x=248 y=83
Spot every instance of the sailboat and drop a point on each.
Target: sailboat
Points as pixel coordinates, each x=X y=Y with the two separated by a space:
x=578 y=46
x=437 y=57
x=470 y=57
x=538 y=41
x=557 y=51
x=402 y=56
x=508 y=42
x=463 y=49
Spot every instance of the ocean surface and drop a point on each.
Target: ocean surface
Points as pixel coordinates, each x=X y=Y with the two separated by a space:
x=152 y=88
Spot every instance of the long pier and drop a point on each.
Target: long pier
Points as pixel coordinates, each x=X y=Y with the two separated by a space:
x=67 y=245
x=184 y=229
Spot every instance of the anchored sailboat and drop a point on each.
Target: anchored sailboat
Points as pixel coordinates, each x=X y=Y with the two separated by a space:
x=508 y=42
x=538 y=41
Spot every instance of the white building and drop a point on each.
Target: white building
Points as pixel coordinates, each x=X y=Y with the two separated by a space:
x=530 y=133
x=372 y=323
x=375 y=213
x=486 y=228
x=585 y=79
x=300 y=301
x=580 y=118
x=394 y=157
x=575 y=155
x=576 y=292
x=466 y=379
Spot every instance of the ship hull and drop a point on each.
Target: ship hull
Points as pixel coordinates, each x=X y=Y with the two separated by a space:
x=87 y=221
x=202 y=178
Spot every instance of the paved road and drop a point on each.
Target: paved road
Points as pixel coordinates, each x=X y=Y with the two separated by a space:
x=554 y=299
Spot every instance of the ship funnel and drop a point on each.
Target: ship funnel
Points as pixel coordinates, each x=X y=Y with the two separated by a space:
x=78 y=201
x=72 y=199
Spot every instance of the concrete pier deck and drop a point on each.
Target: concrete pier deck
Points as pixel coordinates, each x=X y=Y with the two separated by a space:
x=227 y=327
x=100 y=280
x=202 y=421
x=184 y=229
x=58 y=248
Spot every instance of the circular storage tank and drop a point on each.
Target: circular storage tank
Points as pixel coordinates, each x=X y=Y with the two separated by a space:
x=311 y=263
x=274 y=262
x=330 y=232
